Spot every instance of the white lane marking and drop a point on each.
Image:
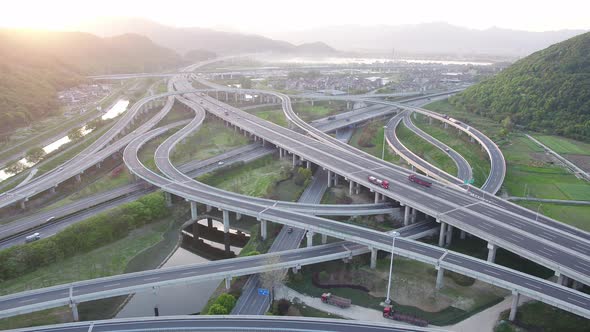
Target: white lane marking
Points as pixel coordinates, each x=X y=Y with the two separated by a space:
x=532 y=285
x=516 y=236
x=28 y=300
x=152 y=278
x=585 y=268
x=326 y=251
x=492 y=272
x=546 y=252
x=226 y=267
x=577 y=301
x=111 y=285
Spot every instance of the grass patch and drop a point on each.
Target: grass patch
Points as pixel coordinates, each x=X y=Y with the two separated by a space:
x=575 y=215
x=477 y=159
x=374 y=148
x=413 y=289
x=563 y=145
x=320 y=110
x=212 y=139
x=300 y=309
x=425 y=150
x=275 y=116
x=487 y=126
x=538 y=316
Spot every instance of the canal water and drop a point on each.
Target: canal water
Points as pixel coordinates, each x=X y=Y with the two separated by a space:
x=186 y=298
x=117 y=109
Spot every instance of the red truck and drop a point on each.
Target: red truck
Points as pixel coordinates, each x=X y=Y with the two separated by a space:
x=416 y=179
x=379 y=182
x=389 y=313
x=336 y=300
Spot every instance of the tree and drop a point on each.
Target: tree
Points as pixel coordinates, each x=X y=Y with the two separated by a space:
x=75 y=134
x=15 y=168
x=96 y=123
x=217 y=309
x=245 y=82
x=283 y=306
x=227 y=301
x=272 y=278
x=35 y=155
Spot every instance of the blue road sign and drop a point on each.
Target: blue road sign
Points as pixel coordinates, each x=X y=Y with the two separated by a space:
x=263 y=291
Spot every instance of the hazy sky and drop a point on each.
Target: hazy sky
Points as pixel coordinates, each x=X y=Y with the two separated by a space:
x=262 y=16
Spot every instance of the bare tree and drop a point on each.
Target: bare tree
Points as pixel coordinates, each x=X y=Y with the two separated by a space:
x=272 y=278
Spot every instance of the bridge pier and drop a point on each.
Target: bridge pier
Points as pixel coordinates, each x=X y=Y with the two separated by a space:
x=208 y=208
x=373 y=258
x=329 y=178
x=514 y=306
x=168 y=198
x=227 y=283
x=263 y=227
x=350 y=185
x=238 y=216
x=377 y=197
x=440 y=273
x=492 y=252
x=446 y=125
x=196 y=232
x=308 y=164
x=335 y=179
x=449 y=235
x=463 y=235
x=225 y=221
x=406 y=215
x=78 y=178
x=414 y=215
x=194 y=212
x=75 y=315
x=441 y=235
x=324 y=238
x=309 y=239
x=209 y=222
x=294 y=160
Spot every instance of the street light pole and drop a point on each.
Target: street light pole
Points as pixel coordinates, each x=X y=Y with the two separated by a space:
x=388 y=299
x=383 y=150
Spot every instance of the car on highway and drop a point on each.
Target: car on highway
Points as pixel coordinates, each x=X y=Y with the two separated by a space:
x=220 y=163
x=447 y=149
x=33 y=237
x=290 y=230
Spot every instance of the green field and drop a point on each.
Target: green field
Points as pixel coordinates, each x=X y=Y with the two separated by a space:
x=537 y=316
x=487 y=126
x=275 y=116
x=575 y=215
x=425 y=150
x=375 y=147
x=477 y=159
x=563 y=145
x=111 y=259
x=320 y=110
x=212 y=139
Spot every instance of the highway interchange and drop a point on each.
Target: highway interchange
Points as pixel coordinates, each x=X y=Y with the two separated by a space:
x=559 y=247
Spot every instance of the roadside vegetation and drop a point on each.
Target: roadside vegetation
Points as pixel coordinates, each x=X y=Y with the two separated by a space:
x=369 y=139
x=413 y=288
x=320 y=110
x=109 y=243
x=538 y=316
x=425 y=150
x=270 y=113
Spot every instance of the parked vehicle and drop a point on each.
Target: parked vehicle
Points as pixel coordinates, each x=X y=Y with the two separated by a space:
x=416 y=179
x=32 y=237
x=338 y=301
x=389 y=313
x=379 y=182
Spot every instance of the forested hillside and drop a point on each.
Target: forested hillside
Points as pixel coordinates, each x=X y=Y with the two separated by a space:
x=547 y=91
x=35 y=65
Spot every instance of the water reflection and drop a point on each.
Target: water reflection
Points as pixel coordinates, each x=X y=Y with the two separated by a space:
x=117 y=109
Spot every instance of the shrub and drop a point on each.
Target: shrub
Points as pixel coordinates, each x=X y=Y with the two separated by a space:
x=217 y=309
x=227 y=301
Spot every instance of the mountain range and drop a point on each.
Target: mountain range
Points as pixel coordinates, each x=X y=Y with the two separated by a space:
x=429 y=38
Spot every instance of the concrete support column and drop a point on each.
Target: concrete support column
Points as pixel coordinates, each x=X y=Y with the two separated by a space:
x=75 y=315
x=225 y=221
x=335 y=179
x=195 y=232
x=577 y=285
x=208 y=208
x=440 y=273
x=358 y=189
x=514 y=306
x=463 y=234
x=308 y=164
x=492 y=252
x=309 y=239
x=78 y=177
x=324 y=238
x=373 y=258
x=263 y=227
x=441 y=236
x=53 y=190
x=238 y=216
x=350 y=185
x=406 y=215
x=377 y=197
x=194 y=212
x=168 y=197
x=209 y=222
x=414 y=215
x=446 y=125
x=227 y=283
x=329 y=178
x=280 y=153
x=449 y=235
x=294 y=160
